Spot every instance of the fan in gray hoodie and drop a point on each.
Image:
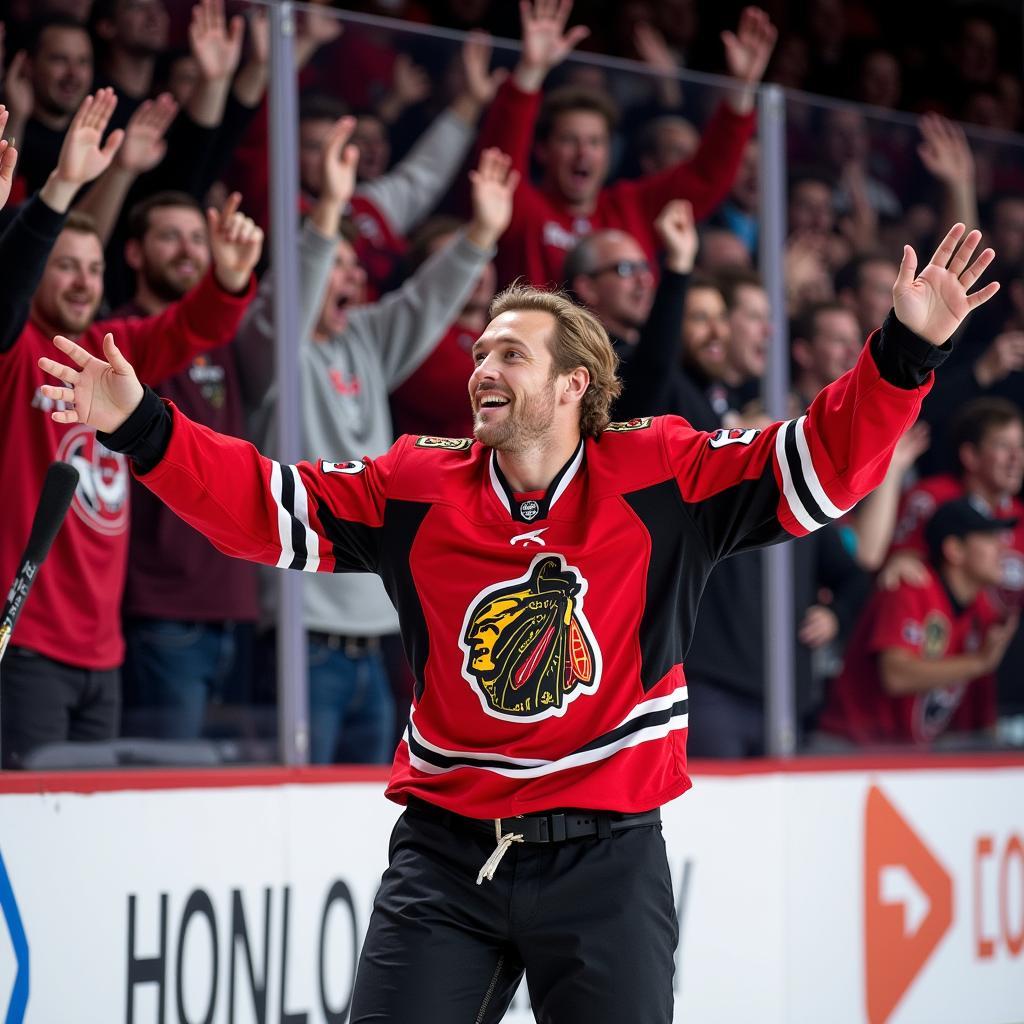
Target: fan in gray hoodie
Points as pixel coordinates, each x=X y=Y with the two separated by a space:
x=351 y=357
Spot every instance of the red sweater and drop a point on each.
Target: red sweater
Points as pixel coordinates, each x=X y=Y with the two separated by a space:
x=543 y=231
x=73 y=612
x=435 y=399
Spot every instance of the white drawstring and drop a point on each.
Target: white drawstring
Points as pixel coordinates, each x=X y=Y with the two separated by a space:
x=504 y=842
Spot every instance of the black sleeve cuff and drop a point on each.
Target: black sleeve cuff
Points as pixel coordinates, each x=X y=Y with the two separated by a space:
x=144 y=436
x=903 y=358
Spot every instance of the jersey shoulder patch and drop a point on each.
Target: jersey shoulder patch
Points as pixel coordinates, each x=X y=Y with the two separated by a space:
x=449 y=444
x=637 y=423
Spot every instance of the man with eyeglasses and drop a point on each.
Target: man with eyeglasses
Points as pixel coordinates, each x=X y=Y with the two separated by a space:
x=609 y=273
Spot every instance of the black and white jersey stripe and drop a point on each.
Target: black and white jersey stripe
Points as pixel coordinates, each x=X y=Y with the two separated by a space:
x=650 y=720
x=299 y=543
x=807 y=499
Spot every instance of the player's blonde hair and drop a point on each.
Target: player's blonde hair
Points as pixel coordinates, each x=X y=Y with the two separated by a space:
x=579 y=339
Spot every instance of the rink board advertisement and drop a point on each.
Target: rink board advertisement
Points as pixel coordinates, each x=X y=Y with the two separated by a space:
x=870 y=894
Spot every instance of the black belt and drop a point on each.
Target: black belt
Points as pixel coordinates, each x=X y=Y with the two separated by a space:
x=353 y=646
x=549 y=827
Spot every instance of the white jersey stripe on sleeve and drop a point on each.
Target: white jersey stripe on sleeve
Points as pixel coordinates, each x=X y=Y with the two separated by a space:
x=810 y=475
x=802 y=516
x=284 y=519
x=312 y=561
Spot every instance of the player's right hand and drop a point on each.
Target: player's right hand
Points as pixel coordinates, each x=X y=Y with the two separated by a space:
x=100 y=394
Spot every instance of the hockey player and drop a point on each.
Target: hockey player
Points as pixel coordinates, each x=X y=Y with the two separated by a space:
x=546 y=575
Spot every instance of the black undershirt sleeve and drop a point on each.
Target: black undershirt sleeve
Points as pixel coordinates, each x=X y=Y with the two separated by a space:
x=25 y=247
x=903 y=358
x=144 y=436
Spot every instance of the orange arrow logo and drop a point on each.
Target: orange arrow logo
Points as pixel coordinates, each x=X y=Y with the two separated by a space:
x=908 y=905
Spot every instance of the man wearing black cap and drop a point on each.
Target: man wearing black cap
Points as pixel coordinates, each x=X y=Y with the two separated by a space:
x=921 y=659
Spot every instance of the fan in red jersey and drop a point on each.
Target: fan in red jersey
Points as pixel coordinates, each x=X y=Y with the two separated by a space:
x=570 y=134
x=61 y=674
x=556 y=560
x=920 y=660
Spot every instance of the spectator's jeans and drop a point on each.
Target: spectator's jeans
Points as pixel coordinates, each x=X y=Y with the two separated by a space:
x=172 y=669
x=351 y=709
x=46 y=701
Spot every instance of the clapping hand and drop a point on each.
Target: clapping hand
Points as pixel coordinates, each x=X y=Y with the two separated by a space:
x=493 y=185
x=935 y=303
x=100 y=394
x=236 y=243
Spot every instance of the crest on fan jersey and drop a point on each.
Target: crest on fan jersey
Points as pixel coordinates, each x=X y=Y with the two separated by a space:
x=528 y=648
x=101 y=497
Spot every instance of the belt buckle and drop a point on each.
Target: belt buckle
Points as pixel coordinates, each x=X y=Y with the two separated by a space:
x=353 y=647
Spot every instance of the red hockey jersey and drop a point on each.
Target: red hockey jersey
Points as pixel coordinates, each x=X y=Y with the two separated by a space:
x=924 y=621
x=919 y=504
x=74 y=611
x=546 y=633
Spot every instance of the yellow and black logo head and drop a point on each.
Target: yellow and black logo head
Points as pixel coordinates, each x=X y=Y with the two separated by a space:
x=529 y=650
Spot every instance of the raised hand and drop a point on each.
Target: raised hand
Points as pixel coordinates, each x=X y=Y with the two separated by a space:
x=409 y=82
x=8 y=158
x=1004 y=356
x=82 y=158
x=546 y=43
x=338 y=160
x=236 y=243
x=944 y=150
x=481 y=82
x=100 y=394
x=934 y=304
x=677 y=231
x=216 y=43
x=144 y=146
x=259 y=36
x=493 y=185
x=749 y=48
x=19 y=95
x=314 y=28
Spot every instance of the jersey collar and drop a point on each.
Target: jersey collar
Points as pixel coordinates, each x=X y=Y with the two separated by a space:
x=529 y=510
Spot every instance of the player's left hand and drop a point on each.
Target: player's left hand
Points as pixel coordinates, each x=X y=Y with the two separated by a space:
x=236 y=243
x=935 y=303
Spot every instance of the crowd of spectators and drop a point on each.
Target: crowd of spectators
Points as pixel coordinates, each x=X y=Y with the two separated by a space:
x=431 y=175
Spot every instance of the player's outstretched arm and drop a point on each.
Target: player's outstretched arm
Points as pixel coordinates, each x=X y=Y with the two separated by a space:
x=812 y=470
x=326 y=517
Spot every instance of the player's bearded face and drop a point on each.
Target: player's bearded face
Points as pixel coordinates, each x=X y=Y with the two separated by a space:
x=522 y=422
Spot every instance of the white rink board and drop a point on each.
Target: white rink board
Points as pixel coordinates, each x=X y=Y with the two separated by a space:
x=770 y=874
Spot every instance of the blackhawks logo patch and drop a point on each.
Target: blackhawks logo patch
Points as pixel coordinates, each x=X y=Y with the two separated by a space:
x=528 y=648
x=451 y=444
x=637 y=423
